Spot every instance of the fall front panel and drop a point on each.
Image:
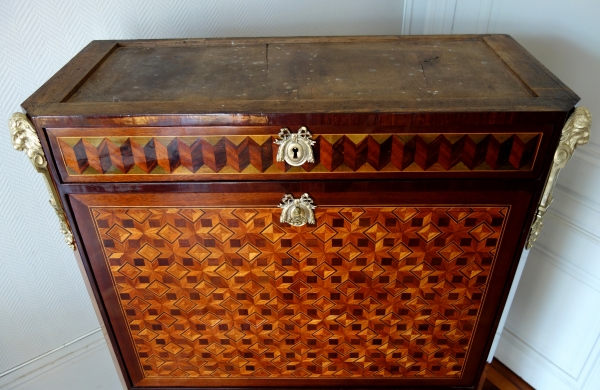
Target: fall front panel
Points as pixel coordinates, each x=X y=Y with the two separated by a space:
x=204 y=292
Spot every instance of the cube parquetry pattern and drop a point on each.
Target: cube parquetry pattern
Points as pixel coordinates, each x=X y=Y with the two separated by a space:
x=367 y=292
x=136 y=155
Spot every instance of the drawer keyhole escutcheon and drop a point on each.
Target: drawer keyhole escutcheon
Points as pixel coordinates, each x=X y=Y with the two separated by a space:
x=295 y=149
x=297 y=212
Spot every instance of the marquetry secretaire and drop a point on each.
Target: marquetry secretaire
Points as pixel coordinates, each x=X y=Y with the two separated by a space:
x=301 y=212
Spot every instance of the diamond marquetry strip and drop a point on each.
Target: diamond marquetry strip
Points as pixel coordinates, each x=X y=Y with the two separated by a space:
x=223 y=296
x=198 y=252
x=299 y=252
x=118 y=233
x=376 y=232
x=129 y=270
x=249 y=252
x=324 y=270
x=429 y=232
x=481 y=232
x=323 y=304
x=345 y=319
x=190 y=334
x=300 y=319
x=333 y=153
x=148 y=252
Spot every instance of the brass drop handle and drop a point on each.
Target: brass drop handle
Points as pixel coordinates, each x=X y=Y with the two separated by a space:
x=295 y=149
x=297 y=212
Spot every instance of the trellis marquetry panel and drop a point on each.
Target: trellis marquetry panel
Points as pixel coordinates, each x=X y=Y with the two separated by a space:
x=365 y=292
x=231 y=154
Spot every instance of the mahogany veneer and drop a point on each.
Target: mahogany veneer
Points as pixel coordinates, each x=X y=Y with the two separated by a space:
x=431 y=154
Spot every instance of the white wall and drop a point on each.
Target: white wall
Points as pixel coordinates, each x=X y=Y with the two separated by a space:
x=552 y=331
x=43 y=302
x=551 y=336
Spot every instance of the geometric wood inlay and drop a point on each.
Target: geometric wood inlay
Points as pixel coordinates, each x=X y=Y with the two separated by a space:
x=366 y=292
x=332 y=153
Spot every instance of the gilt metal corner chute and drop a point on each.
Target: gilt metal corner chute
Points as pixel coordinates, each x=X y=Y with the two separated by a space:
x=24 y=138
x=575 y=132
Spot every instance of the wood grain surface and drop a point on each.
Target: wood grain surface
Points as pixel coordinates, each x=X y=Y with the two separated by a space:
x=213 y=293
x=346 y=74
x=209 y=157
x=221 y=292
x=295 y=71
x=497 y=376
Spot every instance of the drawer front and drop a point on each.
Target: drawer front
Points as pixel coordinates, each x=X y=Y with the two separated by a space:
x=238 y=153
x=203 y=294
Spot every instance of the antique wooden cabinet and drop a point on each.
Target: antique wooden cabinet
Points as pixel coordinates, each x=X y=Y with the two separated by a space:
x=301 y=212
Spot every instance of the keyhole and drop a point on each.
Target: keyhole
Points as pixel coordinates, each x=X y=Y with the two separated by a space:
x=295 y=151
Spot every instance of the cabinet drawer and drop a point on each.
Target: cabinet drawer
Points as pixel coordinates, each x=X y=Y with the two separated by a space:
x=212 y=289
x=250 y=153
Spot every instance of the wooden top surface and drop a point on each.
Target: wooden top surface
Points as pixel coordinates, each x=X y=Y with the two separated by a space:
x=302 y=75
x=294 y=71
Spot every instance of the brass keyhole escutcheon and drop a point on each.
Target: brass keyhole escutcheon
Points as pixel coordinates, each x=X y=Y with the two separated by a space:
x=295 y=149
x=295 y=153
